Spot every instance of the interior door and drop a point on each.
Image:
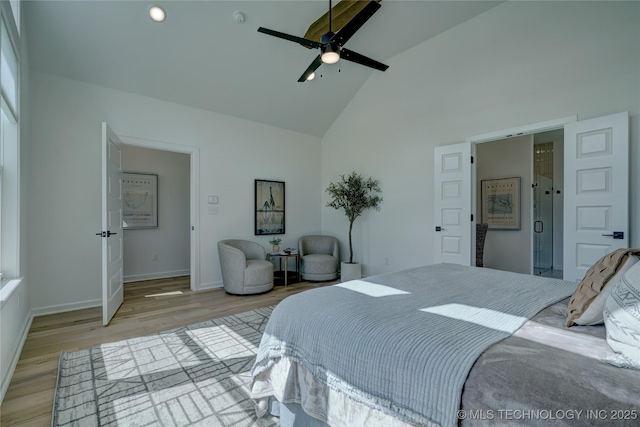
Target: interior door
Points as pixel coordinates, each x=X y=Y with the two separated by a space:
x=452 y=204
x=111 y=233
x=596 y=200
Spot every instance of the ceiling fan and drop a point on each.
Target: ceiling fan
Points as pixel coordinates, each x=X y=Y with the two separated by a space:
x=331 y=44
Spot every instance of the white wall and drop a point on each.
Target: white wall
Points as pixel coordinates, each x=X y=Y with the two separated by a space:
x=508 y=250
x=170 y=242
x=64 y=193
x=516 y=64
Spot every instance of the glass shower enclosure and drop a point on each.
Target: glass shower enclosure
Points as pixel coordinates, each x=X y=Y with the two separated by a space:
x=543 y=208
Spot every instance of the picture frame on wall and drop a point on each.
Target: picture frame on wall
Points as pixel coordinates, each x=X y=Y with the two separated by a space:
x=269 y=207
x=139 y=200
x=501 y=203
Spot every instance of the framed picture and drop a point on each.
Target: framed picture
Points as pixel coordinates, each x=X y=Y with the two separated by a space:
x=269 y=207
x=139 y=200
x=501 y=203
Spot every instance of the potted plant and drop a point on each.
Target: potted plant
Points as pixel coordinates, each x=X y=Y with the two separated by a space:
x=353 y=194
x=276 y=244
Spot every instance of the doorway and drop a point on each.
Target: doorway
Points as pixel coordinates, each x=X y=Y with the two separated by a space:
x=160 y=251
x=193 y=191
x=595 y=205
x=537 y=158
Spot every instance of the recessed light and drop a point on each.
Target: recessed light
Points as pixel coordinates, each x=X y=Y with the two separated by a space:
x=157 y=13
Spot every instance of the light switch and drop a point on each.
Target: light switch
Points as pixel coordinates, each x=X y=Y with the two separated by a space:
x=213 y=200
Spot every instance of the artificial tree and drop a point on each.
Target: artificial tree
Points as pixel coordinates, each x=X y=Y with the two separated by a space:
x=354 y=194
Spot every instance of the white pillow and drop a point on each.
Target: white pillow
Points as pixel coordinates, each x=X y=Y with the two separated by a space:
x=622 y=320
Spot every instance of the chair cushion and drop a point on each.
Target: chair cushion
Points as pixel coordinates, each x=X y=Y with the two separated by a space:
x=258 y=273
x=319 y=264
x=317 y=244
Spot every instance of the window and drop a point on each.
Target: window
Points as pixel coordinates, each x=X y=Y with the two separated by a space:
x=8 y=69
x=9 y=200
x=15 y=9
x=9 y=140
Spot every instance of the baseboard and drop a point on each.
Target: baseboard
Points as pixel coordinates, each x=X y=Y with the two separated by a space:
x=16 y=356
x=209 y=286
x=153 y=276
x=63 y=308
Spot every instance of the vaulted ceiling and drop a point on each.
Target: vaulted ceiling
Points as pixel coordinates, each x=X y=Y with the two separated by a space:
x=201 y=57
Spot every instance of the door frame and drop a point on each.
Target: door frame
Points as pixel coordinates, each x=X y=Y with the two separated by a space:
x=528 y=129
x=194 y=191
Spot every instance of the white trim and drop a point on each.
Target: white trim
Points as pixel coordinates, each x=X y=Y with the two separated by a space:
x=522 y=130
x=194 y=153
x=16 y=356
x=209 y=286
x=7 y=289
x=152 y=276
x=63 y=308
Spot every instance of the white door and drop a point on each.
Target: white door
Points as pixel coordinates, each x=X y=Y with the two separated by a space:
x=111 y=233
x=596 y=199
x=452 y=204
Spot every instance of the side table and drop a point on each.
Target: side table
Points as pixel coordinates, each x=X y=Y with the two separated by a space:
x=285 y=256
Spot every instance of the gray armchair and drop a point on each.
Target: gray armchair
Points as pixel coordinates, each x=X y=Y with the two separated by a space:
x=319 y=257
x=245 y=269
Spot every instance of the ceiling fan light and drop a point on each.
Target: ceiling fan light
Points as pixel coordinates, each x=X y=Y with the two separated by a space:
x=311 y=76
x=330 y=54
x=330 y=57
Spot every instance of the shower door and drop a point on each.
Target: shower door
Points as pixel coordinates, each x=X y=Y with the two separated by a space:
x=543 y=208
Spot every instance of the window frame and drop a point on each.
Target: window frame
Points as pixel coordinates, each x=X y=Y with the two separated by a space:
x=10 y=195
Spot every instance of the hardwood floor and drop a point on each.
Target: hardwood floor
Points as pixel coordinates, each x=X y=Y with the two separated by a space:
x=149 y=307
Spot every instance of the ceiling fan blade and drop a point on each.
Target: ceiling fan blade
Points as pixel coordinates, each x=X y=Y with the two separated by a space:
x=358 y=21
x=349 y=55
x=302 y=41
x=313 y=67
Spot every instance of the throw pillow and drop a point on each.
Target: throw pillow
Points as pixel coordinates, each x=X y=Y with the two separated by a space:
x=622 y=320
x=592 y=314
x=595 y=280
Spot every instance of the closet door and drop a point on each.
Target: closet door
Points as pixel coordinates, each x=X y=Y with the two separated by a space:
x=596 y=199
x=452 y=204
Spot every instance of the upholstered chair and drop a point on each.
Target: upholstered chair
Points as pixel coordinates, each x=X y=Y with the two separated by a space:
x=245 y=269
x=319 y=257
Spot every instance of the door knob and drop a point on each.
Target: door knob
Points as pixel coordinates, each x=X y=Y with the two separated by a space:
x=615 y=235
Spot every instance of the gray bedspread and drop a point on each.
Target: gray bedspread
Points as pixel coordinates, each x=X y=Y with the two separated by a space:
x=406 y=347
x=558 y=381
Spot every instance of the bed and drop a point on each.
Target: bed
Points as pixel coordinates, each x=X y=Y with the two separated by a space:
x=440 y=345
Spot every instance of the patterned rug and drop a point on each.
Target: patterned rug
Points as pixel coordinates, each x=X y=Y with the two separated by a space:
x=197 y=375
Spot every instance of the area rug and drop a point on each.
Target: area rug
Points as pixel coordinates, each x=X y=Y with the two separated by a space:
x=197 y=375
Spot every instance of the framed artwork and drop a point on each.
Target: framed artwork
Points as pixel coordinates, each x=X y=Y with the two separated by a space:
x=501 y=203
x=139 y=200
x=269 y=207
